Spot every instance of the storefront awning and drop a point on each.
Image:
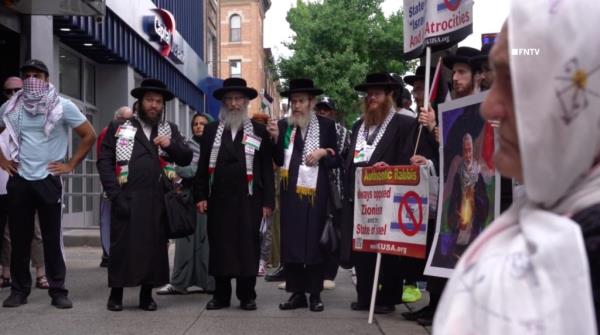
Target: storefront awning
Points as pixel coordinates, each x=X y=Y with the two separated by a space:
x=58 y=7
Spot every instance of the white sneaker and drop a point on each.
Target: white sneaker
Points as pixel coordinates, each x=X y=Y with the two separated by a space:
x=281 y=286
x=262 y=268
x=170 y=290
x=328 y=284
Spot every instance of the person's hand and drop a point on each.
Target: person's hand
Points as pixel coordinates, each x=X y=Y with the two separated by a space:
x=267 y=212
x=202 y=206
x=57 y=168
x=9 y=166
x=314 y=157
x=427 y=118
x=162 y=141
x=418 y=160
x=273 y=129
x=380 y=164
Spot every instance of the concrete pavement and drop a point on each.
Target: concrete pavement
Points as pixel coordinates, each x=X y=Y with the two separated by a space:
x=185 y=314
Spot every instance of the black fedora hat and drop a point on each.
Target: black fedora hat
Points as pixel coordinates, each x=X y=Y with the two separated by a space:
x=302 y=85
x=34 y=64
x=237 y=85
x=462 y=55
x=152 y=85
x=326 y=103
x=382 y=80
x=419 y=75
x=477 y=61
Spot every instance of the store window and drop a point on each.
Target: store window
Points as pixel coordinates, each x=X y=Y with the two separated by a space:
x=235 y=68
x=70 y=74
x=235 y=28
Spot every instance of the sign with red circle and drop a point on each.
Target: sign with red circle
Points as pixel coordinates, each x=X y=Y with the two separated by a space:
x=452 y=5
x=404 y=206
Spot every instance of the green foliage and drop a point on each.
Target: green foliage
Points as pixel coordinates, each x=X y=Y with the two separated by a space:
x=337 y=42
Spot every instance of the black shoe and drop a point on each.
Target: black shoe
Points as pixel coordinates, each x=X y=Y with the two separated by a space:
x=357 y=306
x=248 y=305
x=414 y=315
x=114 y=304
x=384 y=309
x=62 y=302
x=14 y=300
x=316 y=305
x=216 y=304
x=104 y=262
x=425 y=321
x=297 y=300
x=148 y=305
x=278 y=275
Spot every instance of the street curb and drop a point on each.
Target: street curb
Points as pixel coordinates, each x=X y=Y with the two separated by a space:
x=81 y=238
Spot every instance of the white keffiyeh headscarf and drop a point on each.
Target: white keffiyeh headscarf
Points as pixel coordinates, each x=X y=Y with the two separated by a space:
x=528 y=273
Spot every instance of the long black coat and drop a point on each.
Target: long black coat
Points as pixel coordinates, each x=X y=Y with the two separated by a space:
x=395 y=148
x=234 y=216
x=138 y=229
x=302 y=222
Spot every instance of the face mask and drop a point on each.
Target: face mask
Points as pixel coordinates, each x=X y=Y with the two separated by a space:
x=33 y=85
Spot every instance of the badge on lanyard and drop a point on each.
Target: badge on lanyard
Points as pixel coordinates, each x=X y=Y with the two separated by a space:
x=126 y=132
x=363 y=155
x=251 y=143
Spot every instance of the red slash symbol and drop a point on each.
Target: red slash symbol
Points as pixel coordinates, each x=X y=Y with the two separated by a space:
x=405 y=206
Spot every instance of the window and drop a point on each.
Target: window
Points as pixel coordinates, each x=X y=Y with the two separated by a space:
x=235 y=28
x=70 y=74
x=235 y=68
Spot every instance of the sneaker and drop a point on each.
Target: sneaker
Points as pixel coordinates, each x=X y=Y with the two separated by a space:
x=62 y=302
x=170 y=290
x=328 y=284
x=411 y=294
x=262 y=268
x=281 y=286
x=278 y=275
x=14 y=300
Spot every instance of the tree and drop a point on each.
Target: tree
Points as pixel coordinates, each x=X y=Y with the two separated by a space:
x=337 y=42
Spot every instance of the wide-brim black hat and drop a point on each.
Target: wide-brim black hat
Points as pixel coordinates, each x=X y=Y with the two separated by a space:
x=301 y=85
x=381 y=80
x=152 y=85
x=462 y=55
x=35 y=64
x=419 y=75
x=235 y=85
x=326 y=103
x=477 y=61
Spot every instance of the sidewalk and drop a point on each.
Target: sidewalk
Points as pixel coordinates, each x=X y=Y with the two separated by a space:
x=186 y=314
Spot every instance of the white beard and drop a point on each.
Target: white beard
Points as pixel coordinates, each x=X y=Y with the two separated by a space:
x=233 y=120
x=301 y=121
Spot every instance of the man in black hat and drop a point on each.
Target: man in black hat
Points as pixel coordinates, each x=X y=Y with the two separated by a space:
x=484 y=75
x=306 y=150
x=235 y=169
x=462 y=72
x=37 y=121
x=135 y=157
x=382 y=137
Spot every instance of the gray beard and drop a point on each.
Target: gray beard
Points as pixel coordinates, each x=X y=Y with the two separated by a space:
x=300 y=121
x=232 y=120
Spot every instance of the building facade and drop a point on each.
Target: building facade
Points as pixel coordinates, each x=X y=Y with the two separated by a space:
x=95 y=61
x=242 y=52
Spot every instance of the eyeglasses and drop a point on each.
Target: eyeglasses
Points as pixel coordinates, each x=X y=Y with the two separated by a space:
x=11 y=91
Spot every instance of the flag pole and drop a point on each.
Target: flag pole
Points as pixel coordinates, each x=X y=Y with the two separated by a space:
x=426 y=99
x=375 y=286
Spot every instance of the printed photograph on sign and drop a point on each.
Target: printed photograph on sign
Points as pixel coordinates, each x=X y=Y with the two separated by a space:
x=469 y=194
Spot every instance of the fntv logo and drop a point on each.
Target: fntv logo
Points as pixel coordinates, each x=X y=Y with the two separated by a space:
x=526 y=51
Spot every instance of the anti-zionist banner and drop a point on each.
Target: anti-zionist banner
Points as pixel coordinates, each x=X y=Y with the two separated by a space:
x=435 y=23
x=391 y=209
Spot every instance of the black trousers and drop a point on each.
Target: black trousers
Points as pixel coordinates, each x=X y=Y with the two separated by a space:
x=391 y=278
x=25 y=198
x=330 y=267
x=3 y=217
x=301 y=278
x=244 y=288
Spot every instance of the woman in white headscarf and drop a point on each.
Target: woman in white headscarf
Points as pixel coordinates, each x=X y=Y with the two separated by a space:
x=536 y=269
